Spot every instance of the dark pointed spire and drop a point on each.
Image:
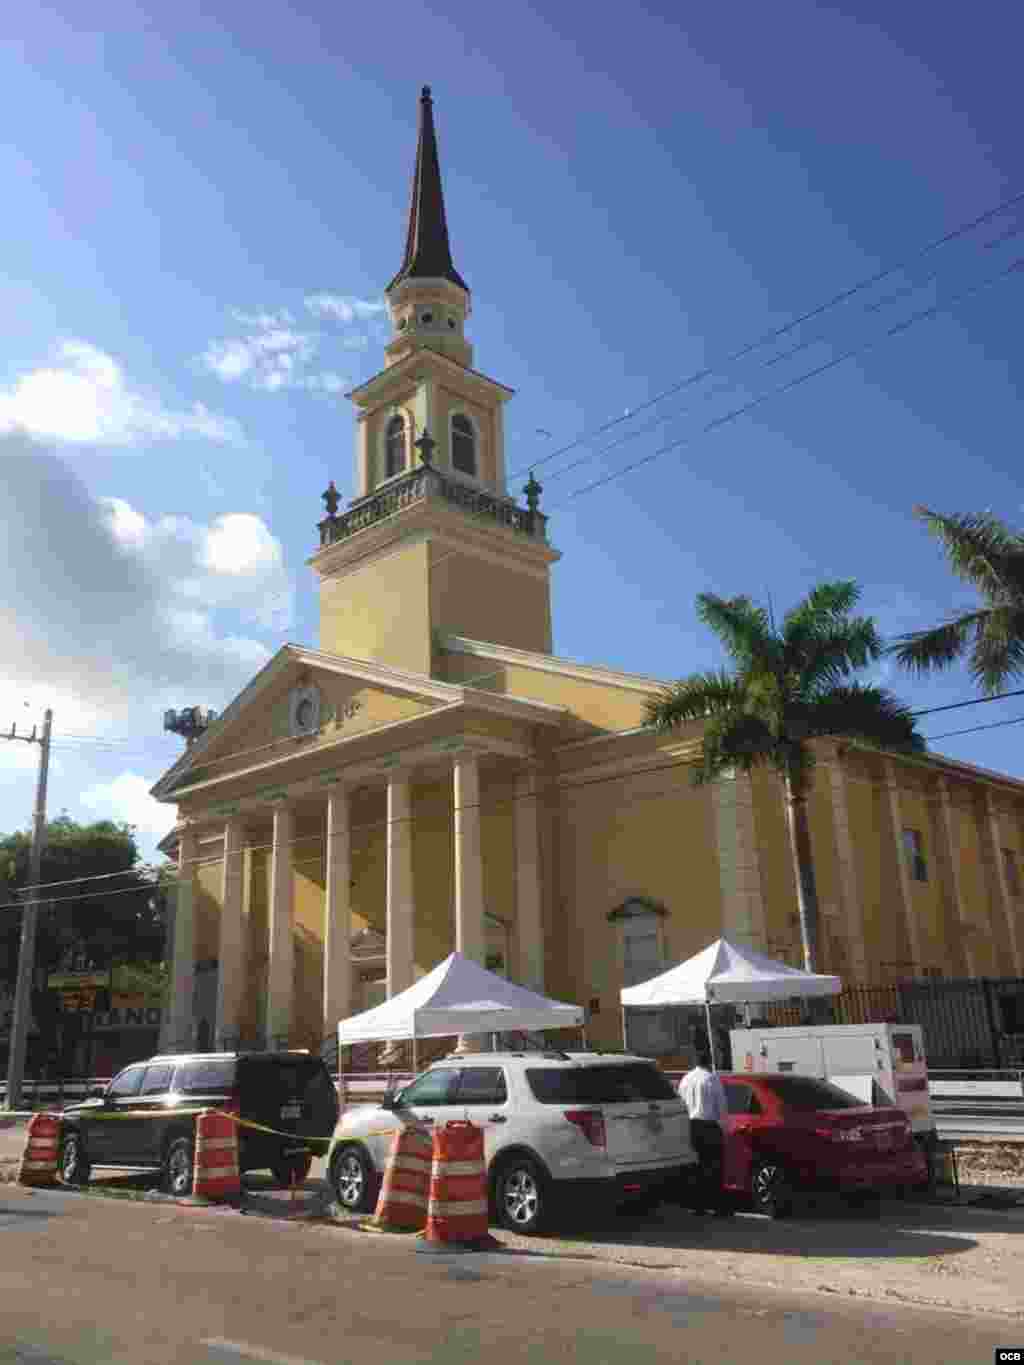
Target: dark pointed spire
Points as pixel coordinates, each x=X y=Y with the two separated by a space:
x=427 y=250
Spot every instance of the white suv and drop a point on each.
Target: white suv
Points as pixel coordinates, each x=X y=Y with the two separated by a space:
x=555 y=1123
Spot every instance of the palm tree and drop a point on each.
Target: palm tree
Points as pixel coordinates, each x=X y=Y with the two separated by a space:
x=787 y=687
x=985 y=552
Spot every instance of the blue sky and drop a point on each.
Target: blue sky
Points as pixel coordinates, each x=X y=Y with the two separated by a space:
x=203 y=204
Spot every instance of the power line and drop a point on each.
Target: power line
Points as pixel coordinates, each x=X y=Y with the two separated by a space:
x=961 y=230
x=974 y=729
x=745 y=408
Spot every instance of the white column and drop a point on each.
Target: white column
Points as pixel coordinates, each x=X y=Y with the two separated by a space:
x=949 y=860
x=903 y=886
x=470 y=939
x=231 y=953
x=400 y=896
x=337 y=914
x=1007 y=908
x=849 y=880
x=280 y=970
x=180 y=1025
x=529 y=888
x=739 y=865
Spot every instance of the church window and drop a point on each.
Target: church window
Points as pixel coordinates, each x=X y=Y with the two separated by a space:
x=394 y=447
x=463 y=445
x=642 y=957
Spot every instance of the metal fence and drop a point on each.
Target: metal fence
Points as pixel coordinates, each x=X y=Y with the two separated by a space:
x=975 y=1023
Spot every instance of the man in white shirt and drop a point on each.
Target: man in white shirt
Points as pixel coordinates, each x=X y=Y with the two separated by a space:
x=704 y=1096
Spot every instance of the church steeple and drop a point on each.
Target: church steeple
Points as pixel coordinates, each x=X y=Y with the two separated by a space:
x=428 y=253
x=428 y=298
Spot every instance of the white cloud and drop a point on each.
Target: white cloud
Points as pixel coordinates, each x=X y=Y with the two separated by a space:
x=328 y=382
x=274 y=355
x=132 y=614
x=126 y=798
x=343 y=307
x=84 y=398
x=269 y=358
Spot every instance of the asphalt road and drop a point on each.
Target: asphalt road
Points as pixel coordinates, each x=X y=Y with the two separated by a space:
x=87 y=1280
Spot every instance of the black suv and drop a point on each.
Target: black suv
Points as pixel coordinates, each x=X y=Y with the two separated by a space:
x=145 y=1117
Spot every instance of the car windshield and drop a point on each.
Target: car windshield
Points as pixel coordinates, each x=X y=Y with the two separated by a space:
x=630 y=1081
x=805 y=1095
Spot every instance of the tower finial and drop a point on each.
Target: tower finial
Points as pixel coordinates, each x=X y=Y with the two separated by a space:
x=428 y=253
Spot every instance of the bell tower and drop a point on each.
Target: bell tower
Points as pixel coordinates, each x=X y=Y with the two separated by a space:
x=431 y=544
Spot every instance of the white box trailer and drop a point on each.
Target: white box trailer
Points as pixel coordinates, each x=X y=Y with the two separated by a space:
x=878 y=1063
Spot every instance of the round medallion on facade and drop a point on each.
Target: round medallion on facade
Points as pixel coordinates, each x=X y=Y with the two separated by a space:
x=304 y=711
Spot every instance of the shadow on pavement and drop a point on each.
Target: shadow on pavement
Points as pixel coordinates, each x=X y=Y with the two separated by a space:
x=808 y=1233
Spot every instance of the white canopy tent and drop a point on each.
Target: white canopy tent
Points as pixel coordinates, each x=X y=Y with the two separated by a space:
x=726 y=973
x=457 y=997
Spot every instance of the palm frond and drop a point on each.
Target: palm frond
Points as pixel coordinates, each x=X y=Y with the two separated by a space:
x=743 y=628
x=998 y=651
x=825 y=601
x=860 y=711
x=693 y=698
x=923 y=651
x=826 y=657
x=734 y=740
x=981 y=550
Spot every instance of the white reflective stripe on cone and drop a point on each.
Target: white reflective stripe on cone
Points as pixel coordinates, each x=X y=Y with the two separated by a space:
x=454 y=1208
x=459 y=1167
x=205 y=1144
x=411 y=1163
x=43 y=1146
x=39 y=1165
x=406 y=1197
x=215 y=1173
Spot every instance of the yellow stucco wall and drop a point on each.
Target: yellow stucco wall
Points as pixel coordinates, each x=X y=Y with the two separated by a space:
x=308 y=937
x=644 y=834
x=593 y=704
x=380 y=610
x=254 y=998
x=477 y=597
x=778 y=884
x=433 y=873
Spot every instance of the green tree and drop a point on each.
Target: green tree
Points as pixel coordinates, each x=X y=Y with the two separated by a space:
x=989 y=555
x=116 y=919
x=787 y=687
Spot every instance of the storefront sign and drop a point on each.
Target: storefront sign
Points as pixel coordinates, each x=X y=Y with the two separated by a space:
x=78 y=981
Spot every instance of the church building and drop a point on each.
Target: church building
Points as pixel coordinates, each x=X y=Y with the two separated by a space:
x=431 y=775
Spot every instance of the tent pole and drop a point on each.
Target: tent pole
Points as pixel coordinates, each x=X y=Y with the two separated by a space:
x=711 y=1036
x=415 y=1068
x=625 y=1045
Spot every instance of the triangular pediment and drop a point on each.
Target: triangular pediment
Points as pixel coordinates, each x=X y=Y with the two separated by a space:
x=303 y=697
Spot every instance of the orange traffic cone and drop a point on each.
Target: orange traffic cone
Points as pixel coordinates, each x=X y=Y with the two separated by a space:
x=402 y=1203
x=39 y=1159
x=215 y=1173
x=457 y=1208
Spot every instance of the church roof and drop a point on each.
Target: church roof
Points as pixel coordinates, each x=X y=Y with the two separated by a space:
x=428 y=254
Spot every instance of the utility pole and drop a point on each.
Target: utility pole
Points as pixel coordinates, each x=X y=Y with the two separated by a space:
x=27 y=951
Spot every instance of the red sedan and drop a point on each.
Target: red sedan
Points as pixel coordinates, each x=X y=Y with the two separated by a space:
x=786 y=1133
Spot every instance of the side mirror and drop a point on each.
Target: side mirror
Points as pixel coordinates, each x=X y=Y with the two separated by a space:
x=391 y=1100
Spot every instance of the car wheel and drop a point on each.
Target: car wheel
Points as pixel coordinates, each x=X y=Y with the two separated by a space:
x=74 y=1164
x=177 y=1170
x=521 y=1196
x=771 y=1190
x=295 y=1168
x=353 y=1180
